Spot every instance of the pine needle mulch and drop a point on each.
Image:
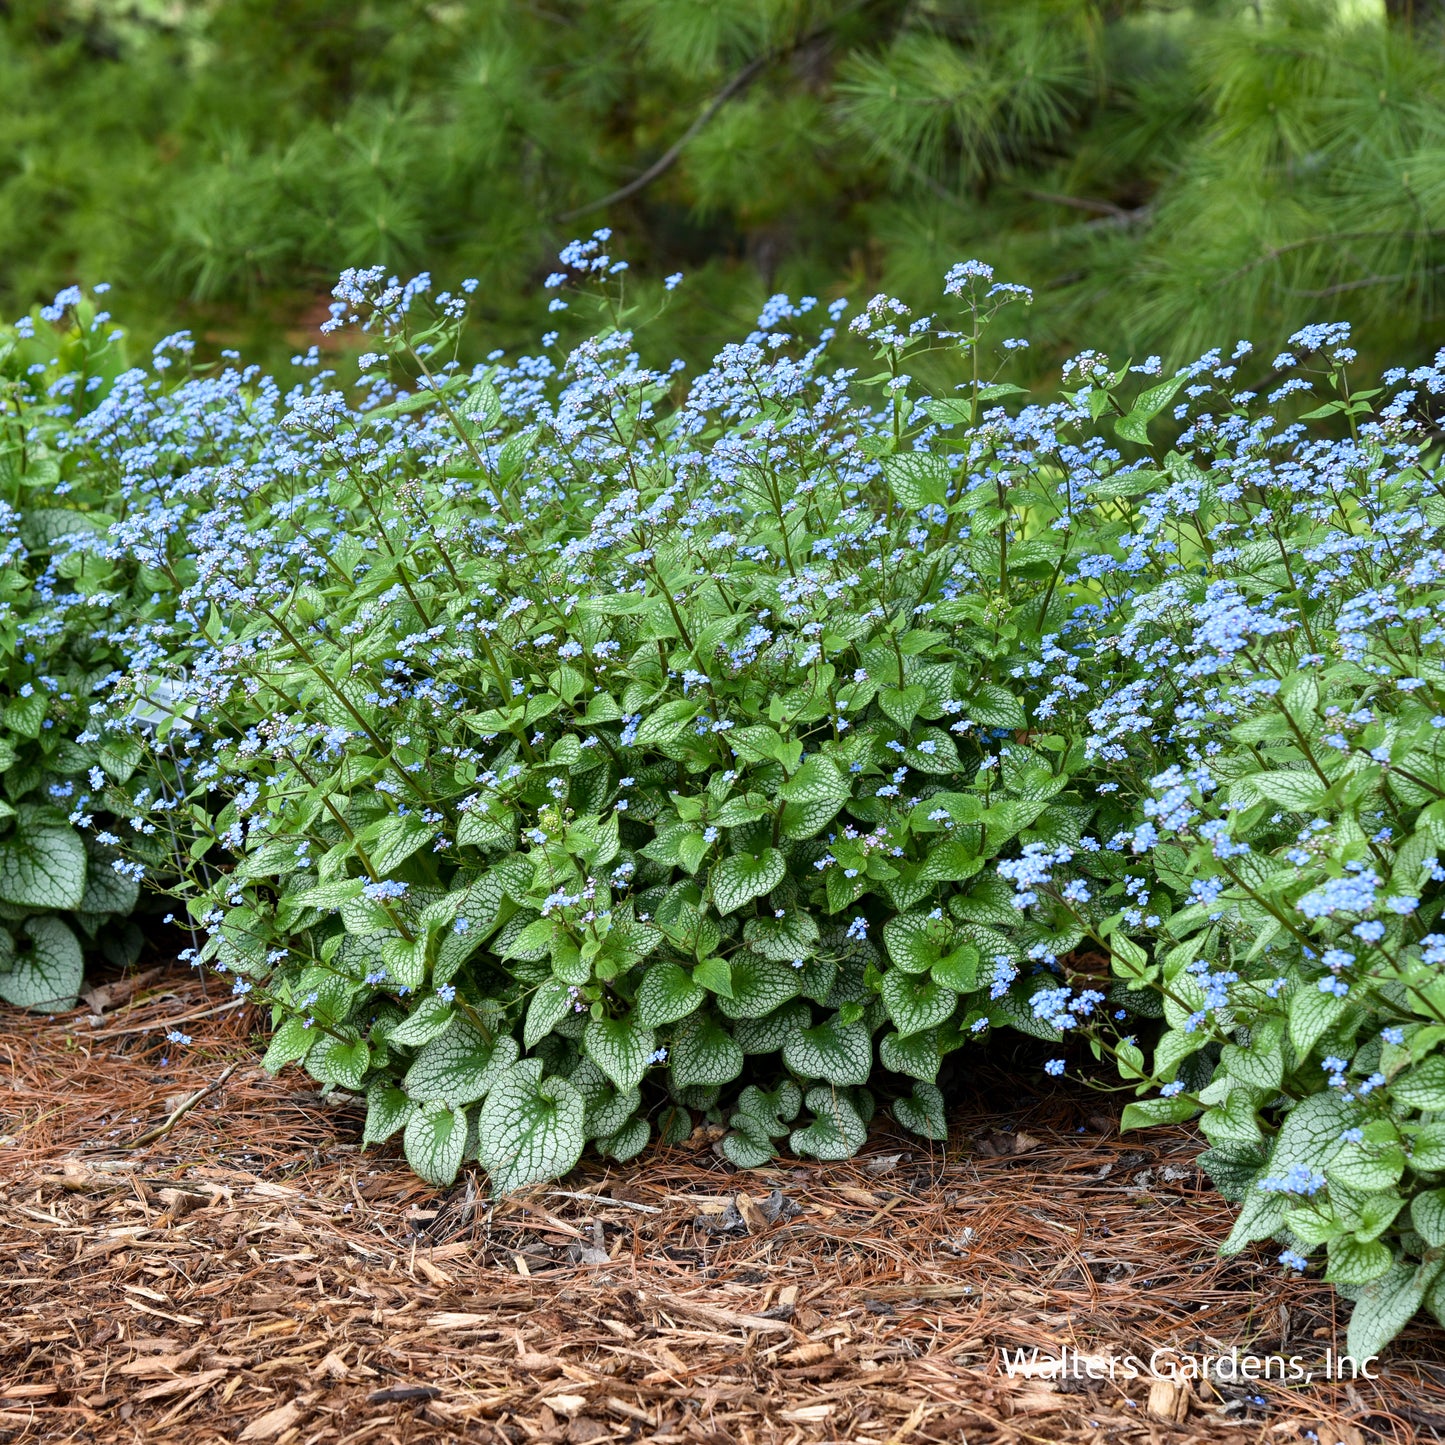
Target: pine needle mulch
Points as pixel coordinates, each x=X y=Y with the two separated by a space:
x=250 y=1275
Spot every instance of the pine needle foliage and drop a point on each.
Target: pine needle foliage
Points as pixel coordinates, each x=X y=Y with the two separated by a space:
x=1154 y=165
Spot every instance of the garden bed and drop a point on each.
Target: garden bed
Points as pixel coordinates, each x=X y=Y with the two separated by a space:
x=250 y=1275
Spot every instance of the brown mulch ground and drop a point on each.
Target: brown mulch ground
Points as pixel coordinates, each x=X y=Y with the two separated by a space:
x=252 y=1276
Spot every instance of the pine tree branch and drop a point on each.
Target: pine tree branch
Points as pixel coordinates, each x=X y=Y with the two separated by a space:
x=1273 y=253
x=735 y=86
x=1123 y=215
x=1363 y=283
x=669 y=157
x=1105 y=209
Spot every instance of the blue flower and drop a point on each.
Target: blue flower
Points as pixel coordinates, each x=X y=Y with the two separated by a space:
x=1298 y=1179
x=387 y=888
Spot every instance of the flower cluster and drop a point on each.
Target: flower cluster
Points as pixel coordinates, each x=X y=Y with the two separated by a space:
x=565 y=747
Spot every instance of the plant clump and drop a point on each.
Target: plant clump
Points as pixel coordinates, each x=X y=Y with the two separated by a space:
x=564 y=748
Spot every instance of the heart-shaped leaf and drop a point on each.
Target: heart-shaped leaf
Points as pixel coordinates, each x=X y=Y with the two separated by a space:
x=45 y=973
x=703 y=1052
x=915 y=1002
x=620 y=1048
x=459 y=1066
x=793 y=936
x=840 y=1053
x=759 y=985
x=530 y=1129
x=917 y=941
x=43 y=867
x=922 y=1112
x=667 y=993
x=387 y=1109
x=741 y=877
x=435 y=1140
x=837 y=1130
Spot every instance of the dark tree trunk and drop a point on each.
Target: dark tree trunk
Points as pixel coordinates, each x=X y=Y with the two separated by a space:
x=1415 y=14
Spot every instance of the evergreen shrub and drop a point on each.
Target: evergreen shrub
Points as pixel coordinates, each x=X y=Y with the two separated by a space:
x=1154 y=166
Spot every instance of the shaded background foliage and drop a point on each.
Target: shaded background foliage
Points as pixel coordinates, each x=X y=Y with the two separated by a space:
x=1159 y=168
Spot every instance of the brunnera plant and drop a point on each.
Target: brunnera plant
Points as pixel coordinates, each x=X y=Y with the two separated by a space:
x=1275 y=712
x=591 y=748
x=563 y=748
x=60 y=887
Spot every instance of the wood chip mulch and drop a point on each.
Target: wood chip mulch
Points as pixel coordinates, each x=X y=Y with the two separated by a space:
x=250 y=1275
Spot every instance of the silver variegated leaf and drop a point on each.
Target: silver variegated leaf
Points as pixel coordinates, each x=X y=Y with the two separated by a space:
x=768 y=1034
x=922 y=1112
x=759 y=985
x=667 y=993
x=387 y=1110
x=793 y=936
x=915 y=1002
x=703 y=1052
x=45 y=972
x=840 y=1053
x=435 y=1139
x=741 y=877
x=837 y=1130
x=43 y=867
x=531 y=1128
x=627 y=1142
x=340 y=1060
x=620 y=1048
x=459 y=1066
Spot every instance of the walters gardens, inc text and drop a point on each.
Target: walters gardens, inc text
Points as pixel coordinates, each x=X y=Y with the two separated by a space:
x=1169 y=1364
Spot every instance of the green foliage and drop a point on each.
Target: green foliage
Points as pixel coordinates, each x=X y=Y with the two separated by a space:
x=1264 y=162
x=61 y=597
x=564 y=750
x=1306 y=975
x=1282 y=899
x=562 y=789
